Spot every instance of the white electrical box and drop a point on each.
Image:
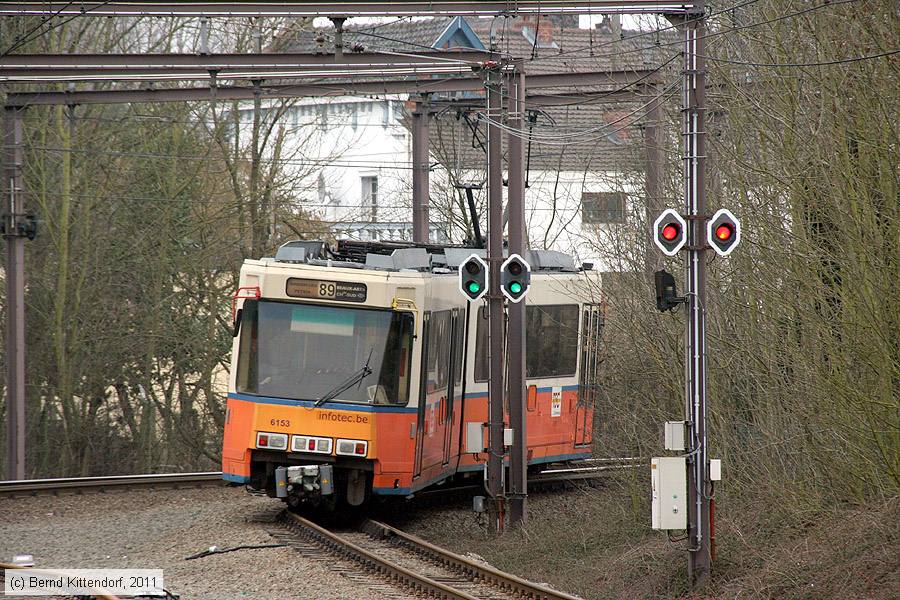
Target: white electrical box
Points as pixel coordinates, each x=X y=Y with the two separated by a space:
x=674 y=438
x=507 y=437
x=668 y=479
x=715 y=469
x=475 y=438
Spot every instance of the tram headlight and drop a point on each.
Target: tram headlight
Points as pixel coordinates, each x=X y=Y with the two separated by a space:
x=308 y=443
x=271 y=441
x=352 y=448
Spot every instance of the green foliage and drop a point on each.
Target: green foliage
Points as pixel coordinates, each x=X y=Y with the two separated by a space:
x=146 y=212
x=803 y=318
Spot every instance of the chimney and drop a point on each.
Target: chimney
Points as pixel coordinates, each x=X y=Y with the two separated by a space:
x=604 y=26
x=611 y=24
x=543 y=26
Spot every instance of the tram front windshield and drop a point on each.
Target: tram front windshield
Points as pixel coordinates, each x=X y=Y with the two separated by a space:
x=306 y=352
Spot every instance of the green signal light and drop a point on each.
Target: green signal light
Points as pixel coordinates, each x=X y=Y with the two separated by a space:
x=515 y=288
x=473 y=287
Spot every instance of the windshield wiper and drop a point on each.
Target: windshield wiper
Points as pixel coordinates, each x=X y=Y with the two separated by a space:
x=348 y=383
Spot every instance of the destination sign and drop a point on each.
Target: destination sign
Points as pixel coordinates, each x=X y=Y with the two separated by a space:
x=326 y=290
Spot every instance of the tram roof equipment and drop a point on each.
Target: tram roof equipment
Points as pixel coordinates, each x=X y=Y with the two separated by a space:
x=406 y=256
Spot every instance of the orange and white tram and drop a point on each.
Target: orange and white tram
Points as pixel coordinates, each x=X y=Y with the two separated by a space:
x=355 y=371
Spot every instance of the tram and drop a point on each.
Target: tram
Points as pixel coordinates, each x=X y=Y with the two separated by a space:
x=361 y=370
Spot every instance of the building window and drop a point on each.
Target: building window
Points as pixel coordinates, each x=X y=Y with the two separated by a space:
x=602 y=207
x=370 y=196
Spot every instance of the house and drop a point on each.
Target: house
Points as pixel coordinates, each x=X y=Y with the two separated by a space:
x=584 y=158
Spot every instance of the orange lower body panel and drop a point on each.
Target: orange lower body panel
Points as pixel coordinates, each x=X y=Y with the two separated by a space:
x=552 y=423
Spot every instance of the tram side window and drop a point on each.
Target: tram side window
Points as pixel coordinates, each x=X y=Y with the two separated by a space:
x=438 y=351
x=460 y=342
x=482 y=368
x=248 y=363
x=551 y=341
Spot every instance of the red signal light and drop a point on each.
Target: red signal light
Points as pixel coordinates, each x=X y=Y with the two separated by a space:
x=670 y=232
x=724 y=232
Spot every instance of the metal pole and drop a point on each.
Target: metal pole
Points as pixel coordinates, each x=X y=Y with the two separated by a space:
x=518 y=461
x=695 y=329
x=15 y=293
x=420 y=143
x=322 y=88
x=495 y=302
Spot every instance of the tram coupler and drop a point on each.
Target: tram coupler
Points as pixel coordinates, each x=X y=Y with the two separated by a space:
x=310 y=479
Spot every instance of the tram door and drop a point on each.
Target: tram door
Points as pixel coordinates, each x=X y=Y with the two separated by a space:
x=591 y=359
x=454 y=383
x=434 y=393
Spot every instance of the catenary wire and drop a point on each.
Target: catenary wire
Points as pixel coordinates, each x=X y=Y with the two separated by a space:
x=325 y=162
x=711 y=34
x=555 y=139
x=647 y=33
x=24 y=39
x=22 y=42
x=225 y=201
x=826 y=63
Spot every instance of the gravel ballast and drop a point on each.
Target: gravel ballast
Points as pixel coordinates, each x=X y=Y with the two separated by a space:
x=157 y=529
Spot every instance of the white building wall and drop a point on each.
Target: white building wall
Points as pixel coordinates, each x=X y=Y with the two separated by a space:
x=554 y=216
x=342 y=140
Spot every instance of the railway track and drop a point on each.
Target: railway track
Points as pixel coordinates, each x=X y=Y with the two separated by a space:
x=405 y=561
x=76 y=485
x=586 y=469
x=397 y=558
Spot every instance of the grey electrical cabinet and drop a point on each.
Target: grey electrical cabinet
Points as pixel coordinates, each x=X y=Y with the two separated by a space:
x=668 y=479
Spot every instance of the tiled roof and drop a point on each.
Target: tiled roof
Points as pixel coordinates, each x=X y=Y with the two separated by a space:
x=398 y=36
x=617 y=147
x=579 y=140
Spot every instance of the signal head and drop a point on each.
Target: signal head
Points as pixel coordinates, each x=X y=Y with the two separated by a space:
x=515 y=278
x=666 y=291
x=723 y=232
x=473 y=278
x=669 y=232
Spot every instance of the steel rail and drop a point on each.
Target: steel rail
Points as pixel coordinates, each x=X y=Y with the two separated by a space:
x=372 y=561
x=471 y=568
x=45 y=486
x=9 y=566
x=344 y=8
